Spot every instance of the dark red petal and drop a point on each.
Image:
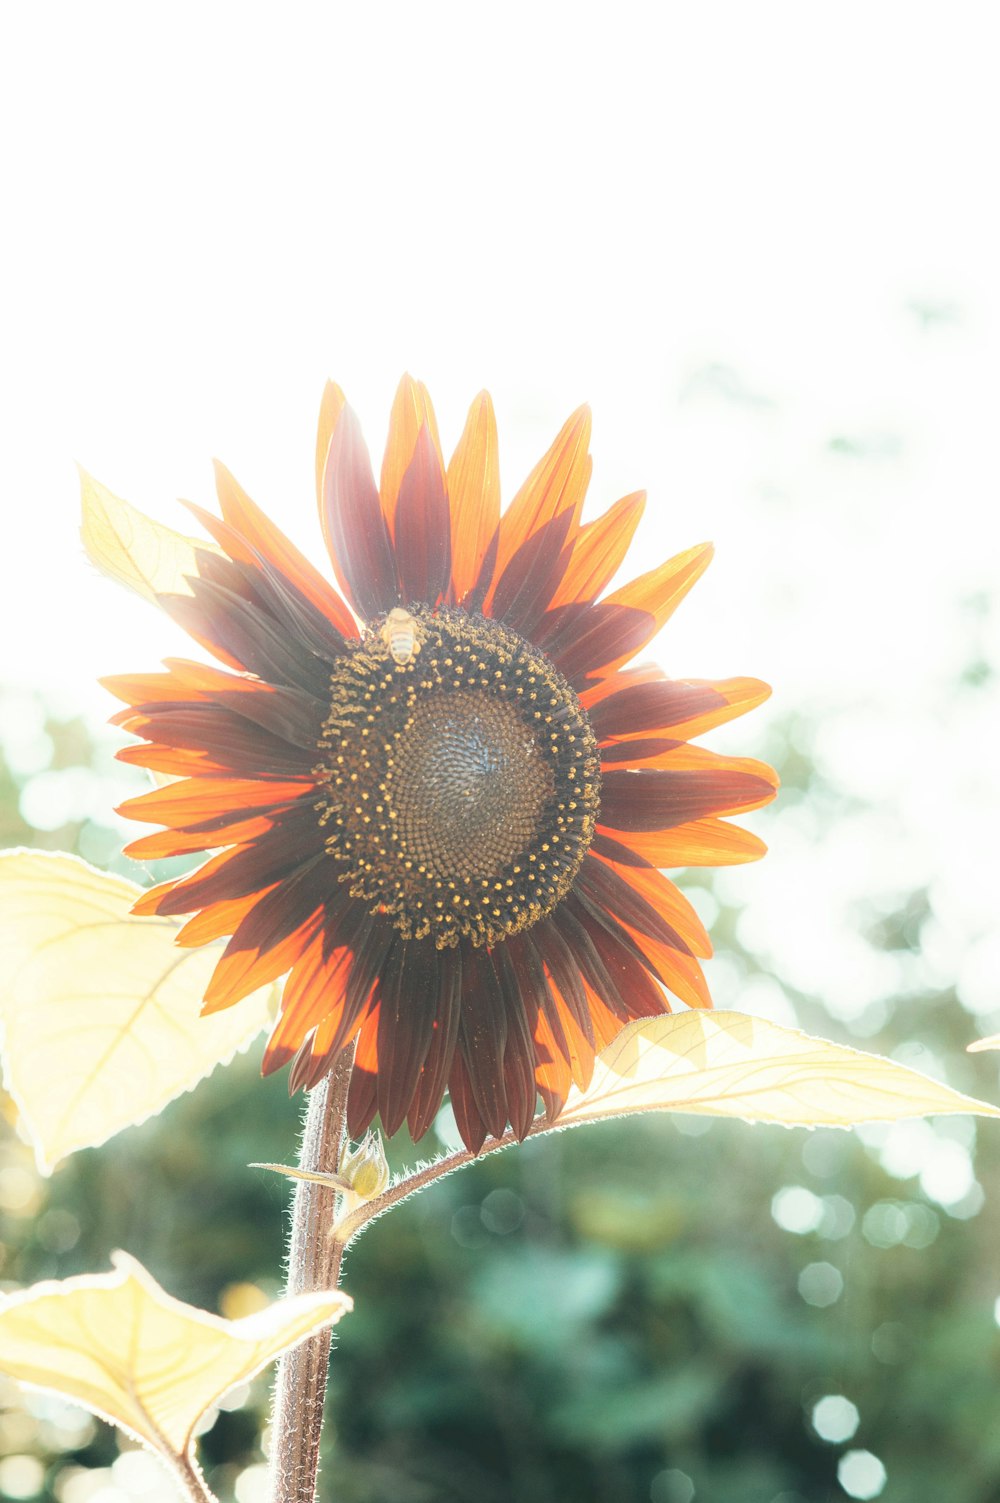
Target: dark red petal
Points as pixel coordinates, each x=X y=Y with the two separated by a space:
x=354 y=525
x=423 y=527
x=652 y=707
x=247 y=635
x=231 y=741
x=280 y=648
x=532 y=577
x=642 y=749
x=600 y=634
x=560 y=625
x=522 y=1005
x=437 y=1065
x=564 y=965
x=376 y=941
x=362 y=1099
x=246 y=869
x=645 y=800
x=292 y=714
x=576 y=927
x=468 y=1119
x=482 y=1038
x=625 y=964
x=296 y=614
x=276 y=591
x=407 y=1006
x=604 y=888
x=306 y=1070
x=530 y=968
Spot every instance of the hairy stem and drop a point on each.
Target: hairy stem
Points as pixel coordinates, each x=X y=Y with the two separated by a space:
x=189 y=1475
x=313 y=1263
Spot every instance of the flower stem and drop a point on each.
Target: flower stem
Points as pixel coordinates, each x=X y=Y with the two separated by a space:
x=314 y=1259
x=355 y=1221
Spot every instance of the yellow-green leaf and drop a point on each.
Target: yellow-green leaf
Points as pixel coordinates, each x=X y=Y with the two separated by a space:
x=728 y=1064
x=118 y=1344
x=100 y=1009
x=140 y=553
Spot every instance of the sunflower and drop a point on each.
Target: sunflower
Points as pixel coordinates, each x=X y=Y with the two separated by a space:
x=438 y=800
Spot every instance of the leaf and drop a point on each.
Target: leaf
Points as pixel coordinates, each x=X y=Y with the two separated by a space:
x=118 y=1344
x=129 y=546
x=993 y=1042
x=728 y=1064
x=100 y=1009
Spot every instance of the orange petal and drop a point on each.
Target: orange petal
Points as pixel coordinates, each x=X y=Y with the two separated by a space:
x=175 y=761
x=628 y=678
x=241 y=973
x=701 y=842
x=411 y=411
x=366 y=1057
x=552 y=1072
x=184 y=681
x=184 y=843
x=740 y=695
x=313 y=992
x=330 y=409
x=195 y=799
x=681 y=974
x=736 y=696
x=599 y=551
x=607 y=1025
x=581 y=1048
x=153 y=688
x=559 y=480
x=660 y=592
x=149 y=902
x=260 y=532
x=473 y=494
x=218 y=920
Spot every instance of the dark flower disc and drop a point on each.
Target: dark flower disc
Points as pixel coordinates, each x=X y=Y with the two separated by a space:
x=461 y=786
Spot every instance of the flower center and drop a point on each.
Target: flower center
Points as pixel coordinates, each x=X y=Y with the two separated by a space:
x=460 y=777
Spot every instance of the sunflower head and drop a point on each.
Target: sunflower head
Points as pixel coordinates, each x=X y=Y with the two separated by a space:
x=439 y=798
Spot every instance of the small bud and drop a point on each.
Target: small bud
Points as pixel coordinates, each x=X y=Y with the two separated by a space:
x=366 y=1169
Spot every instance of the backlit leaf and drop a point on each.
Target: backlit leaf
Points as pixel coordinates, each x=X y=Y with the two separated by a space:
x=728 y=1064
x=100 y=1009
x=118 y=1344
x=129 y=546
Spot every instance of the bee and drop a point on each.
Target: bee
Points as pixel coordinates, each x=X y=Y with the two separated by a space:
x=399 y=633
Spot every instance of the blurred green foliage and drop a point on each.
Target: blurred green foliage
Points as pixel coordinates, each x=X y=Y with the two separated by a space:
x=647 y=1312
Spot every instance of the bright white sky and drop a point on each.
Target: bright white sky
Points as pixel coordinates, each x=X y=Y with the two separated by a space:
x=742 y=232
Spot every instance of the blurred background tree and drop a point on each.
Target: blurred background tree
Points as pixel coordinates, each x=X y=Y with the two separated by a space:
x=666 y=1310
